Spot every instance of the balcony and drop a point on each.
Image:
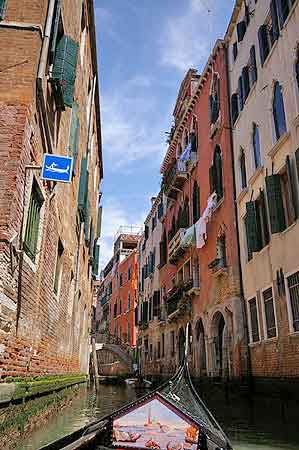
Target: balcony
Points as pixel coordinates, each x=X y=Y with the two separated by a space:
x=175 y=249
x=174 y=179
x=193 y=287
x=218 y=266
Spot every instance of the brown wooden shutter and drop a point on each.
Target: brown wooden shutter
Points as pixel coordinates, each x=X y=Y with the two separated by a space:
x=275 y=204
x=293 y=203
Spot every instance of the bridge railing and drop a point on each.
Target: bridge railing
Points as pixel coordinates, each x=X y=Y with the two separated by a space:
x=107 y=338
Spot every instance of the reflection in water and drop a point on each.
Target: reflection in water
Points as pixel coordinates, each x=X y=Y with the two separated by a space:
x=259 y=426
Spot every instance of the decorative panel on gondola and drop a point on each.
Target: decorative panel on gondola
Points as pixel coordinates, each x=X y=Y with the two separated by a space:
x=155 y=424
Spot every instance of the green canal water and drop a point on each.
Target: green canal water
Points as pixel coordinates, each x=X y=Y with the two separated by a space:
x=262 y=424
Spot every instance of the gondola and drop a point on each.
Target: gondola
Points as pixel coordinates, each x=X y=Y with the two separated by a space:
x=171 y=417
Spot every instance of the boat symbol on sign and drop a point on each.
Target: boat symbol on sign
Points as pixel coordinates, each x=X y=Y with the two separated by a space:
x=53 y=168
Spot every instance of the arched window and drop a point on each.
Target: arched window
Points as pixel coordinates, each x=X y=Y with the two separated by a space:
x=256 y=146
x=243 y=176
x=278 y=112
x=186 y=139
x=221 y=251
x=217 y=173
x=179 y=149
x=196 y=202
x=194 y=136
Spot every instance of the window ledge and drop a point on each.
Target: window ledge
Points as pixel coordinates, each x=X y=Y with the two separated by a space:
x=270 y=53
x=254 y=344
x=256 y=174
x=281 y=141
x=242 y=194
x=31 y=264
x=288 y=228
x=290 y=15
x=272 y=340
x=294 y=334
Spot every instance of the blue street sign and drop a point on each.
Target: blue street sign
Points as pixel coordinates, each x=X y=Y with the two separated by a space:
x=57 y=168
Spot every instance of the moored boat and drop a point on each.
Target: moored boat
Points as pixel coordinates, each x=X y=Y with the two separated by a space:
x=172 y=417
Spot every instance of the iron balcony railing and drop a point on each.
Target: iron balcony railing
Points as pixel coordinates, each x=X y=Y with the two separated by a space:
x=174 y=178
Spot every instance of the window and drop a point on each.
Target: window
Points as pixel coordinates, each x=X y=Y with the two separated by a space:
x=255 y=335
x=241 y=30
x=256 y=224
x=129 y=273
x=2 y=8
x=234 y=107
x=186 y=139
x=33 y=221
x=235 y=50
x=121 y=279
x=129 y=302
x=245 y=83
x=221 y=251
x=283 y=9
x=282 y=198
x=252 y=67
x=163 y=250
x=154 y=222
x=297 y=68
x=120 y=307
x=240 y=94
x=279 y=112
x=194 y=136
x=256 y=146
x=216 y=184
x=83 y=33
x=263 y=38
x=293 y=288
x=159 y=350
x=270 y=321
x=196 y=202
x=172 y=340
x=214 y=99
x=58 y=268
x=242 y=164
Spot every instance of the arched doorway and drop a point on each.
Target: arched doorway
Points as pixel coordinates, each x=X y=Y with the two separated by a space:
x=220 y=345
x=181 y=345
x=200 y=337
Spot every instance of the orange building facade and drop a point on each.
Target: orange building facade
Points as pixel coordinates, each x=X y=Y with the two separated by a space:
x=199 y=262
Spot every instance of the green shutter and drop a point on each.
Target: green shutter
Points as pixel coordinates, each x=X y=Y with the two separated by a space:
x=83 y=190
x=91 y=240
x=64 y=68
x=297 y=161
x=275 y=203
x=2 y=8
x=99 y=222
x=293 y=204
x=252 y=229
x=54 y=33
x=87 y=221
x=96 y=256
x=74 y=135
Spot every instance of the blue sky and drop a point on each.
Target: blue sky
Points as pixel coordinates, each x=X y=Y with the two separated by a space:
x=145 y=48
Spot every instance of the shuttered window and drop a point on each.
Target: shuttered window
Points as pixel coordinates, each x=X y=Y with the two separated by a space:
x=83 y=190
x=255 y=335
x=212 y=179
x=33 y=221
x=96 y=256
x=235 y=51
x=293 y=287
x=291 y=196
x=263 y=43
x=275 y=203
x=274 y=16
x=99 y=222
x=245 y=82
x=74 y=135
x=262 y=220
x=240 y=94
x=196 y=202
x=252 y=230
x=253 y=66
x=87 y=219
x=256 y=146
x=241 y=30
x=2 y=8
x=64 y=70
x=283 y=9
x=234 y=107
x=279 y=112
x=269 y=313
x=218 y=179
x=160 y=210
x=243 y=175
x=56 y=28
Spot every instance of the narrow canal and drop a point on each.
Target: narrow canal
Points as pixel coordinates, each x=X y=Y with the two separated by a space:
x=259 y=425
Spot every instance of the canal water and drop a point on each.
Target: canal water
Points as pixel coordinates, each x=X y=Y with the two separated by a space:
x=262 y=424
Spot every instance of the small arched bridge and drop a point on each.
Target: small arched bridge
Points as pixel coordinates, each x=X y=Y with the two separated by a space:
x=114 y=356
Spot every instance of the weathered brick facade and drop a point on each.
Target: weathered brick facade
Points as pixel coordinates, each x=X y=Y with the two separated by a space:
x=43 y=330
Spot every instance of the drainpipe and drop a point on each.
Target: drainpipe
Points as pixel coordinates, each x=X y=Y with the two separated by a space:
x=42 y=70
x=244 y=309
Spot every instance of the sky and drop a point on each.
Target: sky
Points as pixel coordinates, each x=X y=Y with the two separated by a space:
x=145 y=47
